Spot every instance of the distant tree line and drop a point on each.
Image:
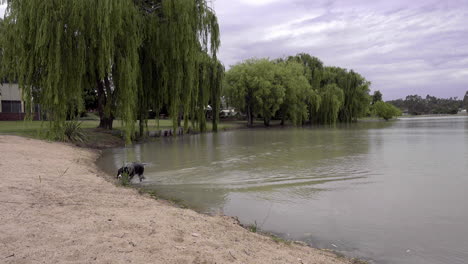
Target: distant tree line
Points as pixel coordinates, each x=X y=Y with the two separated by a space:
x=416 y=105
x=297 y=88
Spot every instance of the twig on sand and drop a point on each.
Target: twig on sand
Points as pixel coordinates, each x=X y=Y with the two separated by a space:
x=58 y=203
x=232 y=255
x=65 y=171
x=12 y=255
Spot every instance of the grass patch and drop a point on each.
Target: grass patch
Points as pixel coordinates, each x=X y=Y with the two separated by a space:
x=252 y=227
x=280 y=240
x=358 y=261
x=86 y=134
x=125 y=180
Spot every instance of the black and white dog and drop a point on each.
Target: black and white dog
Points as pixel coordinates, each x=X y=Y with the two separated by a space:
x=131 y=169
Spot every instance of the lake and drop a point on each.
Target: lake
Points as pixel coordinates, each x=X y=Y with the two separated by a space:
x=388 y=192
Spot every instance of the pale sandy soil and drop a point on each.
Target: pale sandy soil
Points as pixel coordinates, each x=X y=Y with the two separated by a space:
x=56 y=207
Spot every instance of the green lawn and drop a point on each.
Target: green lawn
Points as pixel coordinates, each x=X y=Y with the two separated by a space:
x=35 y=129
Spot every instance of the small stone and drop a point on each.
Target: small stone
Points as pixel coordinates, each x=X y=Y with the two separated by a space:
x=302 y=243
x=195 y=234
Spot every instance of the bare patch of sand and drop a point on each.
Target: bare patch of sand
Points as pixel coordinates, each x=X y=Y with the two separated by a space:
x=56 y=209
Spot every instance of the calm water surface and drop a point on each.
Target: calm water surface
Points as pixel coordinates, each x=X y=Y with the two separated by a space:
x=390 y=192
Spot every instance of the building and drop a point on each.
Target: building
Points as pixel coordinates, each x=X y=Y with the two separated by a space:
x=11 y=103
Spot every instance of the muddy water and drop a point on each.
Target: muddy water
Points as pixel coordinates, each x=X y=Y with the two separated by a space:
x=390 y=192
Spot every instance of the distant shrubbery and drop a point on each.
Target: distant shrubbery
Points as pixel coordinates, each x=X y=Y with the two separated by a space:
x=385 y=110
x=416 y=105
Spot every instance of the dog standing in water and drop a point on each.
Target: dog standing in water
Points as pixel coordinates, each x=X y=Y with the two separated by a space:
x=131 y=169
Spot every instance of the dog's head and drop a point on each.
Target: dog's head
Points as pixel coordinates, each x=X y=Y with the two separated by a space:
x=119 y=173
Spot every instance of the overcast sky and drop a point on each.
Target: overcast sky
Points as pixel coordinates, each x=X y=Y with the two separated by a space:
x=403 y=47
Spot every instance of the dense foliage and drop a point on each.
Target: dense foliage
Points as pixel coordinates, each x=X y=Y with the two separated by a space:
x=298 y=89
x=136 y=55
x=385 y=110
x=253 y=89
x=376 y=97
x=416 y=105
x=465 y=101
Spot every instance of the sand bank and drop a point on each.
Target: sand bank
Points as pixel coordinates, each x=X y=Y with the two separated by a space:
x=56 y=207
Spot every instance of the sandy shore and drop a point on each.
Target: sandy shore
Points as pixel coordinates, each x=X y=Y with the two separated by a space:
x=55 y=207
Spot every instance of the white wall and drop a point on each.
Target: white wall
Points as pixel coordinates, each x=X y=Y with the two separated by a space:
x=10 y=92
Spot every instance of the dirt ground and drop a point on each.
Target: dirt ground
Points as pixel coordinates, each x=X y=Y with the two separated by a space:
x=56 y=207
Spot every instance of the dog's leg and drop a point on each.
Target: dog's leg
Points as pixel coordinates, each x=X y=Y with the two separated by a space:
x=131 y=176
x=141 y=177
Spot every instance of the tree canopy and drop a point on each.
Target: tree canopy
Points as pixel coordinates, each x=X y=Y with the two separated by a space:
x=251 y=87
x=376 y=97
x=138 y=55
x=298 y=93
x=302 y=88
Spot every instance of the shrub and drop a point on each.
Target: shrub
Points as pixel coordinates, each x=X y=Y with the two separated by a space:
x=125 y=180
x=73 y=131
x=385 y=110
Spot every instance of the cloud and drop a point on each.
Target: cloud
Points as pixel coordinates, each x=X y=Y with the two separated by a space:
x=418 y=47
x=402 y=47
x=2 y=10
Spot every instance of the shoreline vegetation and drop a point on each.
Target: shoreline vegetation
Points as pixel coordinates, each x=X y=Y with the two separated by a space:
x=68 y=205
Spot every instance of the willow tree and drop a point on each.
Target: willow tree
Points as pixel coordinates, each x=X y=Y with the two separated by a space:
x=298 y=91
x=181 y=40
x=216 y=79
x=1 y=49
x=112 y=59
x=61 y=47
x=252 y=88
x=332 y=99
x=356 y=94
x=208 y=92
x=313 y=71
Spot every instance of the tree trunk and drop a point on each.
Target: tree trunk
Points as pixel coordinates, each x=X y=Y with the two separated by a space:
x=266 y=121
x=311 y=117
x=179 y=120
x=106 y=123
x=101 y=103
x=249 y=116
x=104 y=98
x=141 y=124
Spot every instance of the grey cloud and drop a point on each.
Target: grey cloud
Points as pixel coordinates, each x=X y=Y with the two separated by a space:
x=2 y=10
